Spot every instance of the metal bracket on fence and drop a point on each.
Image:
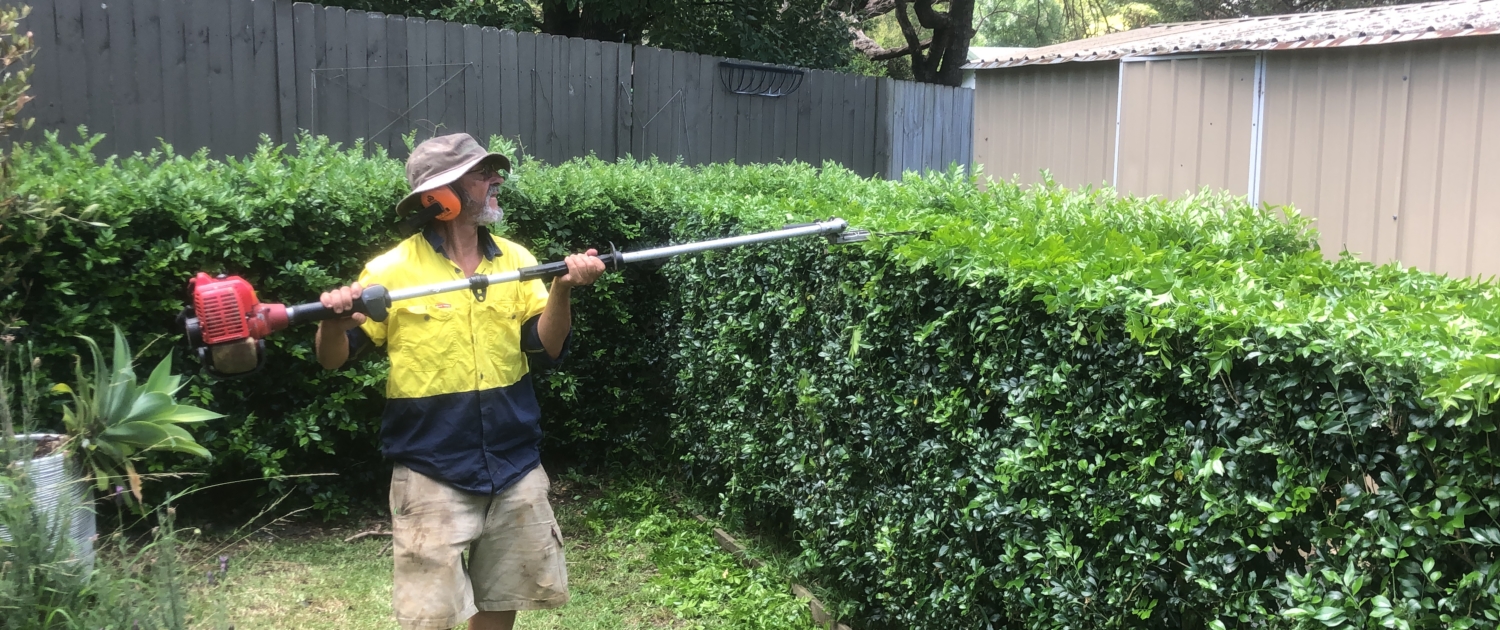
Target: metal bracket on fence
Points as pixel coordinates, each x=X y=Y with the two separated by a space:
x=755 y=80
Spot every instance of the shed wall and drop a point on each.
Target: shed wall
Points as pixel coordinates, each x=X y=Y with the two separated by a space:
x=1186 y=124
x=1395 y=150
x=1060 y=118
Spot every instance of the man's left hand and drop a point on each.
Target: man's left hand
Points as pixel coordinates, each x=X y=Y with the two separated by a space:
x=583 y=270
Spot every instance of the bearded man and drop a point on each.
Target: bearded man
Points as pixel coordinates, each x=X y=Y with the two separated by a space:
x=461 y=422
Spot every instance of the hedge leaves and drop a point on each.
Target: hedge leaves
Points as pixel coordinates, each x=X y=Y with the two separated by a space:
x=1013 y=408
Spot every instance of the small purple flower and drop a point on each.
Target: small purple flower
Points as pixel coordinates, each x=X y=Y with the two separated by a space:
x=224 y=566
x=212 y=578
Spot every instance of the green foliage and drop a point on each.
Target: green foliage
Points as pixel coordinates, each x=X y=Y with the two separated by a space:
x=133 y=584
x=517 y=15
x=291 y=225
x=296 y=225
x=16 y=48
x=797 y=32
x=1043 y=408
x=114 y=420
x=43 y=586
x=698 y=581
x=1013 y=408
x=23 y=222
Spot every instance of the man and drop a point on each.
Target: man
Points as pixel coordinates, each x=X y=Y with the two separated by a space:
x=461 y=418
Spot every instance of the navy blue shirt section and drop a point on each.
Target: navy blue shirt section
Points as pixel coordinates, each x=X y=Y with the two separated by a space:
x=479 y=442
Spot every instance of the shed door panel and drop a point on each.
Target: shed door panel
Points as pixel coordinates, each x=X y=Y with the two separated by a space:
x=1186 y=124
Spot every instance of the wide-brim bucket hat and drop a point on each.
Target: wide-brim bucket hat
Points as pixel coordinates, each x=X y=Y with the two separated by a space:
x=440 y=161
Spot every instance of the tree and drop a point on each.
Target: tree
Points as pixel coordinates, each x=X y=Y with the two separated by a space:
x=794 y=32
x=939 y=58
x=517 y=15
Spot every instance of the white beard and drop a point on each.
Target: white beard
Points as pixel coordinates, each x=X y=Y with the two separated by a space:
x=490 y=216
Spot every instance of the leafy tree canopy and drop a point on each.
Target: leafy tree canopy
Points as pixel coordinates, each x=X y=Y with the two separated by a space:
x=806 y=33
x=926 y=40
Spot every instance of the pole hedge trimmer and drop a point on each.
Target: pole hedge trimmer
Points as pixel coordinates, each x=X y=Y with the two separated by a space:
x=226 y=324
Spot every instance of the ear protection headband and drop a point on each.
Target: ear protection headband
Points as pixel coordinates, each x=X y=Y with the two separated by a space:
x=446 y=200
x=441 y=203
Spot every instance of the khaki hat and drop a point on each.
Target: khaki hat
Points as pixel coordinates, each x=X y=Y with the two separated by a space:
x=441 y=161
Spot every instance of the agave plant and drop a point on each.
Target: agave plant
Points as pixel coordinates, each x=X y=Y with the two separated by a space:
x=113 y=420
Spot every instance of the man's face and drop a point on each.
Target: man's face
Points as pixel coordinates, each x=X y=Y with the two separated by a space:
x=480 y=187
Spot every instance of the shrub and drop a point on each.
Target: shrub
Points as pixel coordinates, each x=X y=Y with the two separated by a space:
x=1013 y=408
x=1041 y=408
x=295 y=225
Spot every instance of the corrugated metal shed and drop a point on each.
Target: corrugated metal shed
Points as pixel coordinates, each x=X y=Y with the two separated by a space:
x=980 y=53
x=1330 y=29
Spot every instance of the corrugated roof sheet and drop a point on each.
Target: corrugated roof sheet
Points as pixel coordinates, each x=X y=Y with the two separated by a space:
x=978 y=53
x=1352 y=27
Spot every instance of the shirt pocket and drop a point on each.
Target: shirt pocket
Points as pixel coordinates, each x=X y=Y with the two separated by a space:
x=423 y=338
x=500 y=338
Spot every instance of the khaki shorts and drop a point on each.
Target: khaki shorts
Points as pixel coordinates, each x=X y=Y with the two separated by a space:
x=515 y=550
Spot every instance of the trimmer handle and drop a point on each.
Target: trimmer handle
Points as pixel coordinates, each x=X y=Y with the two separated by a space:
x=550 y=270
x=374 y=301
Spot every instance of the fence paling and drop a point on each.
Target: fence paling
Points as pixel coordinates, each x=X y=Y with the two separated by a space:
x=222 y=73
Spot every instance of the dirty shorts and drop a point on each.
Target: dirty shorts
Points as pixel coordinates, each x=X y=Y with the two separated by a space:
x=515 y=550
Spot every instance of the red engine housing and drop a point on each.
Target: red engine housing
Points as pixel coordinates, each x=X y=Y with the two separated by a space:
x=228 y=310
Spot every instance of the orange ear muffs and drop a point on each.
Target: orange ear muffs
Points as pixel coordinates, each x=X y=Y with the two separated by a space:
x=444 y=198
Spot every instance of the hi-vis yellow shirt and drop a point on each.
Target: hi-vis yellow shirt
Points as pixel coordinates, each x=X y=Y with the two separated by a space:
x=460 y=404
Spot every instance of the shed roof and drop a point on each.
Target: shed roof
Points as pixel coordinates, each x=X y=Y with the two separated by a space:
x=1351 y=27
x=978 y=53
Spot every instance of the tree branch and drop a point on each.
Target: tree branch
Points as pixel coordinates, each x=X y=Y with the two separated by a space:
x=869 y=48
x=862 y=10
x=929 y=18
x=908 y=31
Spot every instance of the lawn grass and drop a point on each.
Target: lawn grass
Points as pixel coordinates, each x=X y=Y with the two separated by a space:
x=635 y=560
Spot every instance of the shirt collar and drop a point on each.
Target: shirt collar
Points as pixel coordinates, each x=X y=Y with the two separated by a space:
x=486 y=241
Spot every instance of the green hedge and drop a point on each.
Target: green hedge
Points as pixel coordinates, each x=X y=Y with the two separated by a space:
x=295 y=225
x=1013 y=408
x=1047 y=409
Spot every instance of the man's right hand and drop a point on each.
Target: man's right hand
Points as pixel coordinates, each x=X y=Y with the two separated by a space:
x=331 y=344
x=341 y=300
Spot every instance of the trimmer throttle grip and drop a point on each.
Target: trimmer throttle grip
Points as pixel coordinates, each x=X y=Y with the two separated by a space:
x=551 y=270
x=374 y=301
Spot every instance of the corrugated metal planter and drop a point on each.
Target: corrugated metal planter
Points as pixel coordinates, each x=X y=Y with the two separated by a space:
x=62 y=498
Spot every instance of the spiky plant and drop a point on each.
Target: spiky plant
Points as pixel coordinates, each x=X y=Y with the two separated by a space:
x=113 y=420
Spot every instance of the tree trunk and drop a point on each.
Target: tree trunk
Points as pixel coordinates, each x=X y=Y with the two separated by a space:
x=942 y=59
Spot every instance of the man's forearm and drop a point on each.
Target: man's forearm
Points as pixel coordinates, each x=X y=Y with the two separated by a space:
x=556 y=320
x=334 y=350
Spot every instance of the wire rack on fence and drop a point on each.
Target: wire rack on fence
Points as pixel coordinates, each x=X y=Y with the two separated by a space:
x=744 y=78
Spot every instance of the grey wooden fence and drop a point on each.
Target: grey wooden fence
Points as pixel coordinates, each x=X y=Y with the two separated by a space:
x=221 y=74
